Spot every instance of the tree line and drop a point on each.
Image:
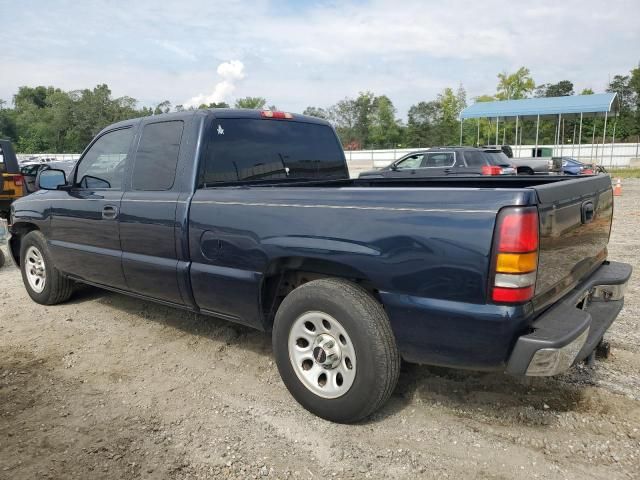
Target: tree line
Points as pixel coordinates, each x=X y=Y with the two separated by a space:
x=48 y=119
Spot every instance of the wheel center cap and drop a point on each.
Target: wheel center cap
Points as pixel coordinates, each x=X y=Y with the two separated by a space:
x=319 y=355
x=326 y=351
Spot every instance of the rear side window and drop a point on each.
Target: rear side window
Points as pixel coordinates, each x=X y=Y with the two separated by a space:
x=246 y=150
x=441 y=159
x=498 y=158
x=475 y=159
x=2 y=167
x=156 y=160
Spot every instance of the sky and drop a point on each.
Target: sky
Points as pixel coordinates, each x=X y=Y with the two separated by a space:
x=301 y=53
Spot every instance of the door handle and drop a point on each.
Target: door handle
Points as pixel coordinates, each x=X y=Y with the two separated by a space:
x=447 y=170
x=109 y=212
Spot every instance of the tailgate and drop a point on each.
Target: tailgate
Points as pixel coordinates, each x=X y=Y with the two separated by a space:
x=575 y=221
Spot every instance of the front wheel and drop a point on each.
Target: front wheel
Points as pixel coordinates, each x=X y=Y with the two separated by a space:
x=43 y=281
x=335 y=350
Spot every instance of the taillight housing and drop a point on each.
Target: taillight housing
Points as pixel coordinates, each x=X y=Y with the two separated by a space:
x=515 y=261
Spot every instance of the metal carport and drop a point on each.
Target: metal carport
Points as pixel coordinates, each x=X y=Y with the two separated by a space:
x=530 y=108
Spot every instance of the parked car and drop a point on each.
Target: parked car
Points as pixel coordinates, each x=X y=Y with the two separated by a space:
x=443 y=161
x=571 y=166
x=30 y=172
x=11 y=181
x=251 y=217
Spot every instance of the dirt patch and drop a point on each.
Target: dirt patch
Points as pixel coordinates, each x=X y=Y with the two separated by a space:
x=107 y=386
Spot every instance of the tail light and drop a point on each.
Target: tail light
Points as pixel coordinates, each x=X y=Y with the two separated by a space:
x=491 y=170
x=516 y=255
x=18 y=180
x=273 y=114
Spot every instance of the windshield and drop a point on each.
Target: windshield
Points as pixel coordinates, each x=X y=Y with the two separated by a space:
x=242 y=149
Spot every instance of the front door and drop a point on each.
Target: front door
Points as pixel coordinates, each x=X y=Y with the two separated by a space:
x=85 y=236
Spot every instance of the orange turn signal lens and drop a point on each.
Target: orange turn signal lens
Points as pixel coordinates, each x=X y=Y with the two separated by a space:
x=516 y=262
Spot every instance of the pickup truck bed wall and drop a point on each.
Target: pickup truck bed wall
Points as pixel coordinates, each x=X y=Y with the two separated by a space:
x=424 y=247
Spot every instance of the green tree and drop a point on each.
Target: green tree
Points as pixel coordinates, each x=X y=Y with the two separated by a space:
x=385 y=129
x=561 y=89
x=162 y=107
x=254 y=103
x=422 y=121
x=513 y=86
x=317 y=112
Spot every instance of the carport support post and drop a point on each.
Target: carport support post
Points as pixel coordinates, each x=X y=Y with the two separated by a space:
x=613 y=142
x=604 y=134
x=478 y=142
x=497 y=129
x=535 y=152
x=593 y=139
x=580 y=136
x=516 y=130
x=461 y=120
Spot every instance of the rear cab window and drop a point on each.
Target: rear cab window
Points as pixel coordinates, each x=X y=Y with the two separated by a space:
x=249 y=150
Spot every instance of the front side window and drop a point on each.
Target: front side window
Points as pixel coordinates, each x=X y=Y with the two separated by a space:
x=414 y=161
x=157 y=156
x=439 y=160
x=243 y=149
x=104 y=164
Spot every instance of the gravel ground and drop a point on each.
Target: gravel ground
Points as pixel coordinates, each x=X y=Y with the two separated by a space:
x=107 y=386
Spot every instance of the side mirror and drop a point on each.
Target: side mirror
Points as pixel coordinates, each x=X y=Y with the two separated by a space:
x=50 y=179
x=394 y=167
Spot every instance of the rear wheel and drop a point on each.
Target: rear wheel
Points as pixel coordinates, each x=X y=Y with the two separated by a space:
x=43 y=281
x=525 y=171
x=1 y=259
x=335 y=350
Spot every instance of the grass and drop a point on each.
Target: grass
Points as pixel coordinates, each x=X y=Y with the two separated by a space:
x=624 y=172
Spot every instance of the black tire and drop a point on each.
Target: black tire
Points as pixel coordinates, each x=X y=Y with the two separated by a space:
x=1 y=259
x=57 y=287
x=367 y=326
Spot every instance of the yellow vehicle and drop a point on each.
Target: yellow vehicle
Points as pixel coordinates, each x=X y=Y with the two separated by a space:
x=11 y=180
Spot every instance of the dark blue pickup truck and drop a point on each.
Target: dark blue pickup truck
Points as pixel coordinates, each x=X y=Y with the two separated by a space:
x=250 y=216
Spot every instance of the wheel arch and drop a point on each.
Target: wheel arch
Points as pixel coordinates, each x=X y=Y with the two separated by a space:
x=18 y=231
x=525 y=171
x=285 y=274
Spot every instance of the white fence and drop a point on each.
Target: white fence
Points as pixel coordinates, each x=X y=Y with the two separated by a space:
x=46 y=157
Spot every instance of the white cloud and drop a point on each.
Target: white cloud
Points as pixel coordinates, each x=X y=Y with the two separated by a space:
x=230 y=72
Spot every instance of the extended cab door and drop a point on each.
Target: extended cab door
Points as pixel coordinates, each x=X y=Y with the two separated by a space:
x=148 y=214
x=85 y=239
